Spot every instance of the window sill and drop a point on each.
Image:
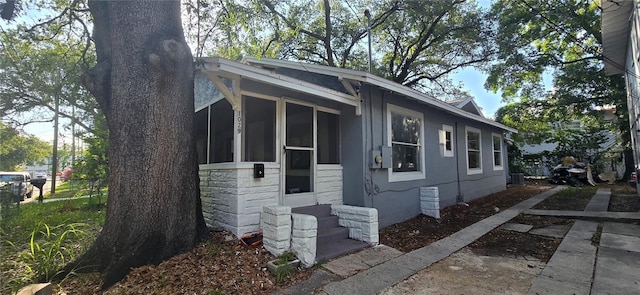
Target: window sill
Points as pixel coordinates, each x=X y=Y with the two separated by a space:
x=405 y=176
x=474 y=171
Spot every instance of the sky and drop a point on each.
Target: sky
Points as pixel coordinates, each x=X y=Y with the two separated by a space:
x=473 y=82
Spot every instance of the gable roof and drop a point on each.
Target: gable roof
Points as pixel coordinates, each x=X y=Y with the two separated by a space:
x=364 y=77
x=468 y=104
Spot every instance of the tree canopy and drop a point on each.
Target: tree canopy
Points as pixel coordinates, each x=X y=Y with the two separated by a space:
x=413 y=44
x=562 y=39
x=39 y=73
x=18 y=149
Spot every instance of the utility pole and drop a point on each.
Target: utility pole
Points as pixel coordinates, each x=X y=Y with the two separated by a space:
x=368 y=15
x=54 y=160
x=73 y=136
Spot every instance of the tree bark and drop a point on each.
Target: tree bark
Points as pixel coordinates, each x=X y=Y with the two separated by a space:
x=143 y=82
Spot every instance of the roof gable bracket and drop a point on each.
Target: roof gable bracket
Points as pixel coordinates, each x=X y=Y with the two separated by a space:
x=233 y=98
x=353 y=91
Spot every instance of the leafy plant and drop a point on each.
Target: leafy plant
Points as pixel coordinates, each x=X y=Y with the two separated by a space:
x=49 y=249
x=284 y=273
x=286 y=257
x=283 y=269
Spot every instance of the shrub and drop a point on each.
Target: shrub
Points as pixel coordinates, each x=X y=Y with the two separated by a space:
x=50 y=249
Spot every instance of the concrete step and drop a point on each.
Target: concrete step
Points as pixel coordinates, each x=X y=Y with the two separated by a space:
x=327 y=222
x=315 y=210
x=332 y=234
x=333 y=240
x=326 y=251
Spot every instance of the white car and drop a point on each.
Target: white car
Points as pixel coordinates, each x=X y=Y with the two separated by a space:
x=20 y=183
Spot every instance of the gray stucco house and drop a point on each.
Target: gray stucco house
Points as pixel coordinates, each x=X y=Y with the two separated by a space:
x=273 y=132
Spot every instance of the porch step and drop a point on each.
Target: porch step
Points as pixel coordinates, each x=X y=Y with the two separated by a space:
x=316 y=210
x=333 y=240
x=327 y=222
x=330 y=250
x=333 y=234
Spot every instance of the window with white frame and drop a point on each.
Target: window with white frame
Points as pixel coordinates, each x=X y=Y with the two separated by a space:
x=497 y=151
x=474 y=151
x=446 y=140
x=405 y=135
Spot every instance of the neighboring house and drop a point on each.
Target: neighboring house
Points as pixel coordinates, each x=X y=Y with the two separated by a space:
x=273 y=132
x=621 y=51
x=610 y=151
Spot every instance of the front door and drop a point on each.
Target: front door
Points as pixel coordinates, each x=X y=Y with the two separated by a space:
x=299 y=158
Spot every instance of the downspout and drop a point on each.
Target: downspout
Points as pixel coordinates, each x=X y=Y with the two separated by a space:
x=459 y=196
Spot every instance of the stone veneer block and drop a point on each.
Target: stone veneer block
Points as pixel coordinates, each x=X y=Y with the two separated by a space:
x=303 y=238
x=430 y=201
x=275 y=223
x=362 y=222
x=276 y=210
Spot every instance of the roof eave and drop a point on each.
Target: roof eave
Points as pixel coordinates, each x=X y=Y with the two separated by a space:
x=380 y=82
x=615 y=27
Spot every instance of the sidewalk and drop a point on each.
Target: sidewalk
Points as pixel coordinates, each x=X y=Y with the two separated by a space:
x=395 y=270
x=586 y=262
x=589 y=262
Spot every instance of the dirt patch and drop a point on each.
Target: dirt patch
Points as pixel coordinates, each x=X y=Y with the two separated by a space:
x=465 y=272
x=505 y=243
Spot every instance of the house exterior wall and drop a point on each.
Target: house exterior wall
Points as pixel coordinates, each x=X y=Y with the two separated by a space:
x=232 y=199
x=329 y=184
x=352 y=149
x=633 y=88
x=397 y=201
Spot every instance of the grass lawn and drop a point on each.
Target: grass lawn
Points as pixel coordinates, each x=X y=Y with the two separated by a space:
x=36 y=239
x=571 y=198
x=73 y=189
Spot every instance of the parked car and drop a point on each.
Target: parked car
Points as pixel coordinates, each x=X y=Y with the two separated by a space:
x=40 y=175
x=20 y=183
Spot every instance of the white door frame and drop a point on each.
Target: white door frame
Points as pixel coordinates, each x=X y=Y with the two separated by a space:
x=297 y=199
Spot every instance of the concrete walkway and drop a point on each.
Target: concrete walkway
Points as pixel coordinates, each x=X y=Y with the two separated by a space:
x=571 y=267
x=579 y=266
x=618 y=263
x=391 y=272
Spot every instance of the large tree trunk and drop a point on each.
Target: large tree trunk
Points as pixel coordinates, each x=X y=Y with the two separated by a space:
x=143 y=82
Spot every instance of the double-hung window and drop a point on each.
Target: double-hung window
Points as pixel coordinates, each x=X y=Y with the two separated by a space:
x=405 y=134
x=474 y=151
x=497 y=151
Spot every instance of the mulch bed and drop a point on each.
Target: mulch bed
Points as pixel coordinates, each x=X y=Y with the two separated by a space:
x=225 y=266
x=624 y=203
x=423 y=230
